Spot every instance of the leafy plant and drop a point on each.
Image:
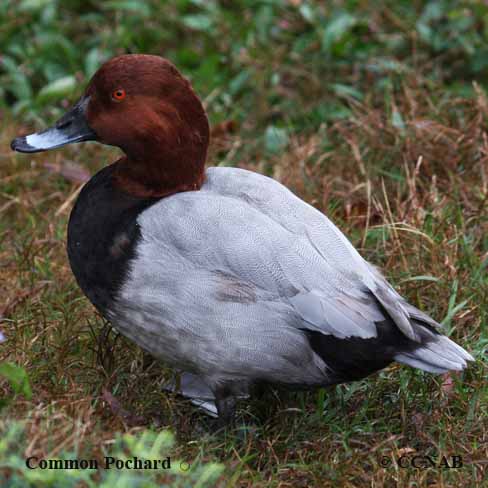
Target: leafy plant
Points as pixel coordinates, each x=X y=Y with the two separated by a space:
x=237 y=51
x=18 y=381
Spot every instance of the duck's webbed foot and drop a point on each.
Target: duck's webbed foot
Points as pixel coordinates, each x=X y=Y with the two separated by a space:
x=193 y=387
x=218 y=401
x=226 y=406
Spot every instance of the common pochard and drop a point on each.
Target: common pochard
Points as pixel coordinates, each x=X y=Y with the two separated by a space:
x=223 y=273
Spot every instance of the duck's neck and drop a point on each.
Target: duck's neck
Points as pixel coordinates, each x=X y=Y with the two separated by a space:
x=168 y=159
x=153 y=177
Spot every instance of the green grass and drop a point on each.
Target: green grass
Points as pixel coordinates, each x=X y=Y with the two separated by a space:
x=368 y=111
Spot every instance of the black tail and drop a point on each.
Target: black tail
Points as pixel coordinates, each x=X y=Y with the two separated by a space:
x=354 y=358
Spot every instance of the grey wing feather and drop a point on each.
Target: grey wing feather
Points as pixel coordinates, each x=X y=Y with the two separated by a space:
x=398 y=308
x=330 y=315
x=348 y=271
x=396 y=311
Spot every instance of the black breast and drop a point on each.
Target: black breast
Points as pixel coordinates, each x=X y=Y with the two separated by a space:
x=102 y=237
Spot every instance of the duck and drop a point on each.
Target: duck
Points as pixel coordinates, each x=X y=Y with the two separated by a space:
x=223 y=273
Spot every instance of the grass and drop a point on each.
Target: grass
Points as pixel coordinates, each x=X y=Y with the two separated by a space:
x=375 y=116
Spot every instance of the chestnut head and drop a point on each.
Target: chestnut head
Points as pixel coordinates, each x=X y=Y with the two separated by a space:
x=141 y=104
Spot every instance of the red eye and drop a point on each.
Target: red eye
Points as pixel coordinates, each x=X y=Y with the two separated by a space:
x=118 y=95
